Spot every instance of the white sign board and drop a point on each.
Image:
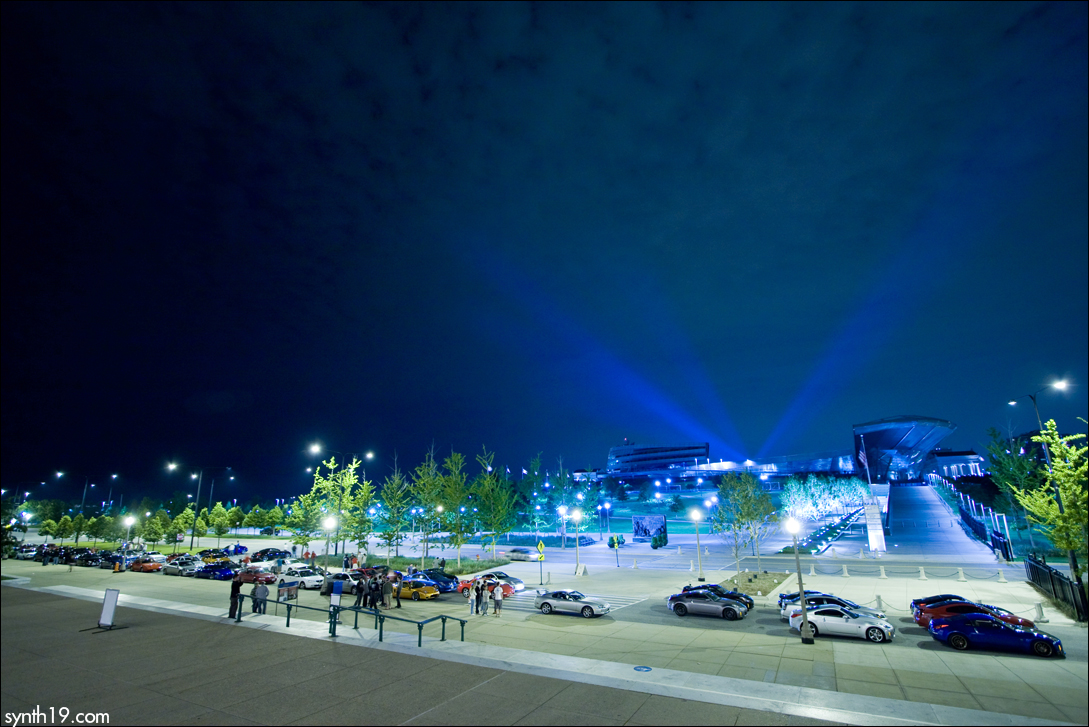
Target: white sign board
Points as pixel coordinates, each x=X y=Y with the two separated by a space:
x=109 y=605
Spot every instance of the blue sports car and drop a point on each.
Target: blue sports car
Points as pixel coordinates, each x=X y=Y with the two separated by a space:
x=983 y=630
x=216 y=571
x=442 y=584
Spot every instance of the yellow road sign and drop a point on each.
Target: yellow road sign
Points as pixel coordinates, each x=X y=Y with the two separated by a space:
x=540 y=547
x=540 y=557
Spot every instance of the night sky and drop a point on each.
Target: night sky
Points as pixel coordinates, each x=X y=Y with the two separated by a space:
x=231 y=230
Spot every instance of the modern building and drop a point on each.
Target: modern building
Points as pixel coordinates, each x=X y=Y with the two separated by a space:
x=951 y=465
x=894 y=449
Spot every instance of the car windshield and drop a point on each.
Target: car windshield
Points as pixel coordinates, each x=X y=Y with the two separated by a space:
x=850 y=613
x=304 y=572
x=575 y=595
x=849 y=604
x=500 y=574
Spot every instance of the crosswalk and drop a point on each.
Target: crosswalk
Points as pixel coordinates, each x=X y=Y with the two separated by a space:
x=523 y=601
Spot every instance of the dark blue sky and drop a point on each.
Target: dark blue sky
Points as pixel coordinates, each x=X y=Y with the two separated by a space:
x=233 y=229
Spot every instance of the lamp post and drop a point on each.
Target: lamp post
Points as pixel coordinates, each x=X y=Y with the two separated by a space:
x=562 y=509
x=696 y=517
x=576 y=515
x=608 y=522
x=128 y=524
x=793 y=526
x=599 y=529
x=199 y=477
x=329 y=524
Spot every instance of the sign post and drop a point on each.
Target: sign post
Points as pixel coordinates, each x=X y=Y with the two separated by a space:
x=540 y=559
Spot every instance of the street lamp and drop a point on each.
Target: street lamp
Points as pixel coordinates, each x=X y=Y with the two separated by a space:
x=793 y=526
x=576 y=515
x=696 y=517
x=562 y=509
x=128 y=524
x=608 y=522
x=1061 y=386
x=329 y=524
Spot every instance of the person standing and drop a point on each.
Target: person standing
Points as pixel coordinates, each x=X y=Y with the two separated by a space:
x=397 y=591
x=471 y=599
x=387 y=593
x=362 y=590
x=479 y=590
x=294 y=550
x=236 y=596
x=497 y=594
x=261 y=591
x=484 y=602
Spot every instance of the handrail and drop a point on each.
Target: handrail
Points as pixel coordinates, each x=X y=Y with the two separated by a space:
x=379 y=618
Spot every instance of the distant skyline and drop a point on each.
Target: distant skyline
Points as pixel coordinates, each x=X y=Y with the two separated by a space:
x=232 y=230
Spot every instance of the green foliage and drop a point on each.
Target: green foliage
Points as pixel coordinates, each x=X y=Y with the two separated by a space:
x=395 y=506
x=1059 y=503
x=457 y=503
x=236 y=516
x=255 y=518
x=220 y=522
x=48 y=528
x=676 y=505
x=79 y=527
x=99 y=527
x=743 y=513
x=273 y=518
x=426 y=489
x=152 y=531
x=496 y=499
x=63 y=529
x=200 y=529
x=646 y=492
x=660 y=540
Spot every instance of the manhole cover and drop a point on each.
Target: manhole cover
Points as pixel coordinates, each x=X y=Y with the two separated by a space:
x=642 y=668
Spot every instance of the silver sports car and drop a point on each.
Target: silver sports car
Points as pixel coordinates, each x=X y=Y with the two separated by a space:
x=812 y=603
x=842 y=622
x=570 y=601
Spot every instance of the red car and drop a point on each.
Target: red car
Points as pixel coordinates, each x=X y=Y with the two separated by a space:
x=145 y=565
x=258 y=575
x=465 y=587
x=946 y=609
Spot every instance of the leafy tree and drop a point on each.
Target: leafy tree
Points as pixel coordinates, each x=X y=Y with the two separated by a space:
x=496 y=499
x=255 y=518
x=456 y=494
x=200 y=529
x=48 y=528
x=728 y=519
x=646 y=491
x=395 y=506
x=757 y=512
x=79 y=527
x=221 y=524
x=99 y=527
x=64 y=529
x=303 y=520
x=236 y=516
x=183 y=521
x=426 y=488
x=152 y=532
x=676 y=505
x=1013 y=472
x=1059 y=504
x=173 y=530
x=358 y=521
x=273 y=518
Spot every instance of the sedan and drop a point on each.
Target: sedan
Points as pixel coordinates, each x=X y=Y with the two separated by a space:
x=215 y=571
x=145 y=565
x=306 y=577
x=815 y=602
x=918 y=603
x=839 y=621
x=723 y=592
x=418 y=589
x=258 y=575
x=155 y=556
x=26 y=552
x=980 y=629
x=570 y=601
x=706 y=603
x=440 y=576
x=89 y=560
x=944 y=609
x=521 y=554
x=213 y=555
x=350 y=580
x=182 y=567
x=516 y=583
x=466 y=588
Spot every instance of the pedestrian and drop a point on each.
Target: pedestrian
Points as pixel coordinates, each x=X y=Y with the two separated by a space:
x=306 y=555
x=479 y=589
x=355 y=561
x=487 y=597
x=261 y=592
x=397 y=591
x=236 y=596
x=253 y=598
x=246 y=560
x=442 y=564
x=471 y=598
x=497 y=595
x=387 y=593
x=375 y=591
x=294 y=550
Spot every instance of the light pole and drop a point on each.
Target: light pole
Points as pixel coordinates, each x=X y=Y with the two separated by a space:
x=577 y=516
x=128 y=524
x=1061 y=386
x=608 y=522
x=562 y=509
x=696 y=517
x=793 y=526
x=329 y=524
x=199 y=477
x=599 y=529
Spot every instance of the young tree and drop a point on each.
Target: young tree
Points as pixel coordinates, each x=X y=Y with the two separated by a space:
x=255 y=518
x=676 y=505
x=426 y=489
x=1059 y=505
x=273 y=518
x=236 y=516
x=183 y=522
x=98 y=527
x=757 y=513
x=63 y=529
x=220 y=522
x=727 y=519
x=200 y=529
x=1012 y=472
x=496 y=497
x=303 y=520
x=173 y=532
x=48 y=528
x=395 y=505
x=456 y=492
x=152 y=531
x=79 y=526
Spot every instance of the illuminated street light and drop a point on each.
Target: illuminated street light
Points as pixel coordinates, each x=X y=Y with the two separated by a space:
x=128 y=524
x=696 y=517
x=793 y=526
x=576 y=515
x=608 y=521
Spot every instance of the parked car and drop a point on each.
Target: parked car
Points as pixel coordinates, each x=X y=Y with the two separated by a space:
x=26 y=552
x=944 y=609
x=813 y=603
x=839 y=621
x=350 y=580
x=155 y=556
x=440 y=576
x=236 y=549
x=306 y=577
x=706 y=603
x=89 y=560
x=182 y=566
x=442 y=586
x=968 y=630
x=257 y=574
x=723 y=592
x=918 y=603
x=418 y=589
x=785 y=598
x=213 y=555
x=521 y=554
x=568 y=600
x=145 y=565
x=516 y=583
x=266 y=554
x=466 y=587
x=216 y=571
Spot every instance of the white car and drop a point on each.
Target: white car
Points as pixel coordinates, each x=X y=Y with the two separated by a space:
x=839 y=621
x=155 y=556
x=516 y=583
x=26 y=552
x=307 y=578
x=568 y=600
x=522 y=554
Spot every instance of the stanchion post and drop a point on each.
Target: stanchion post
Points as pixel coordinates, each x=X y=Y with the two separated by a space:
x=419 y=635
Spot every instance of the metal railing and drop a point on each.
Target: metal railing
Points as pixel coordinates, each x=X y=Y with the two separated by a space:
x=1059 y=586
x=334 y=613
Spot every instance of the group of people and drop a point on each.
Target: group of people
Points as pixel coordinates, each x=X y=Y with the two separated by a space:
x=377 y=590
x=479 y=597
x=258 y=597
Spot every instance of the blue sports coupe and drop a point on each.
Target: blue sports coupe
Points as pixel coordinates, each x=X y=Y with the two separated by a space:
x=986 y=631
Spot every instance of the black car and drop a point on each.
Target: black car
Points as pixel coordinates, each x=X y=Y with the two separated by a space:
x=439 y=575
x=266 y=554
x=920 y=603
x=722 y=593
x=785 y=598
x=89 y=560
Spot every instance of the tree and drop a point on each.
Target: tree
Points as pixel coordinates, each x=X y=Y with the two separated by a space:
x=1013 y=472
x=395 y=505
x=757 y=512
x=645 y=491
x=273 y=518
x=152 y=532
x=200 y=529
x=79 y=527
x=303 y=520
x=255 y=518
x=236 y=516
x=426 y=489
x=98 y=527
x=220 y=522
x=183 y=522
x=496 y=499
x=1059 y=504
x=64 y=529
x=48 y=528
x=456 y=493
x=726 y=519
x=676 y=505
x=173 y=531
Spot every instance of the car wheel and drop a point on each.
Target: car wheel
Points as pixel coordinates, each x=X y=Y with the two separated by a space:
x=587 y=612
x=1042 y=648
x=465 y=592
x=958 y=642
x=875 y=635
x=415 y=595
x=814 y=630
x=546 y=608
x=729 y=614
x=680 y=609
